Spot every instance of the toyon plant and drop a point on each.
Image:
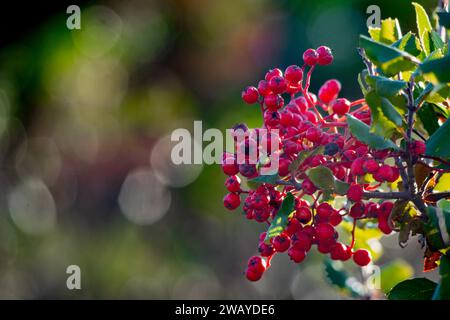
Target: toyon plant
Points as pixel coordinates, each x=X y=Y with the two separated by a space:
x=351 y=171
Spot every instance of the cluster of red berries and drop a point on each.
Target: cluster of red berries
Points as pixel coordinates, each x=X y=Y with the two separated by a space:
x=306 y=123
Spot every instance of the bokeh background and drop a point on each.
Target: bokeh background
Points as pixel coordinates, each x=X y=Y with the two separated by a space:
x=85 y=119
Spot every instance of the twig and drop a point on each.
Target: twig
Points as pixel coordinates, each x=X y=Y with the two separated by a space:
x=386 y=195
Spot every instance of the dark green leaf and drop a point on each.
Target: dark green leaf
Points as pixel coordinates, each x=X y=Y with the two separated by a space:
x=437 y=70
x=429 y=118
x=361 y=131
x=444 y=19
x=323 y=178
x=408 y=43
x=302 y=156
x=436 y=41
x=413 y=289
x=280 y=221
x=362 y=81
x=271 y=179
x=386 y=87
x=385 y=118
x=389 y=59
x=439 y=143
x=437 y=228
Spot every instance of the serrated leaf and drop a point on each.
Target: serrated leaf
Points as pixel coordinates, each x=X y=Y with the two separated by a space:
x=361 y=131
x=439 y=143
x=422 y=21
x=280 y=221
x=413 y=289
x=389 y=59
x=437 y=70
x=408 y=43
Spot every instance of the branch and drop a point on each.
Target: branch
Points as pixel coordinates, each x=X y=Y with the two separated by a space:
x=386 y=195
x=434 y=197
x=369 y=65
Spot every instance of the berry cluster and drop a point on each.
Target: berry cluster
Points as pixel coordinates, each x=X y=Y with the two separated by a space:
x=316 y=125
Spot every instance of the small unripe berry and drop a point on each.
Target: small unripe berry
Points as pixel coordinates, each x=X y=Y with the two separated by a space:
x=310 y=57
x=231 y=201
x=355 y=192
x=250 y=95
x=340 y=106
x=325 y=55
x=362 y=257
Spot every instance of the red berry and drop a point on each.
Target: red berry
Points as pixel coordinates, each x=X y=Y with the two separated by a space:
x=231 y=201
x=362 y=257
x=302 y=241
x=325 y=231
x=329 y=91
x=385 y=172
x=370 y=166
x=340 y=106
x=303 y=214
x=313 y=134
x=277 y=85
x=281 y=242
x=325 y=55
x=335 y=218
x=257 y=263
x=273 y=101
x=293 y=74
x=340 y=252
x=229 y=166
x=293 y=226
x=357 y=167
x=384 y=227
x=357 y=210
x=308 y=186
x=252 y=274
x=250 y=95
x=302 y=104
x=296 y=255
x=233 y=183
x=310 y=57
x=272 y=118
x=418 y=147
x=263 y=88
x=324 y=211
x=287 y=118
x=273 y=73
x=265 y=250
x=385 y=209
x=355 y=192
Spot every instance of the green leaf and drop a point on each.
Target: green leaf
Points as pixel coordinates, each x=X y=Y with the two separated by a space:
x=361 y=131
x=439 y=94
x=439 y=143
x=385 y=118
x=362 y=81
x=444 y=19
x=428 y=118
x=386 y=87
x=413 y=289
x=388 y=33
x=422 y=21
x=389 y=59
x=394 y=272
x=302 y=156
x=436 y=40
x=437 y=70
x=271 y=179
x=408 y=43
x=323 y=178
x=443 y=184
x=437 y=228
x=280 y=221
